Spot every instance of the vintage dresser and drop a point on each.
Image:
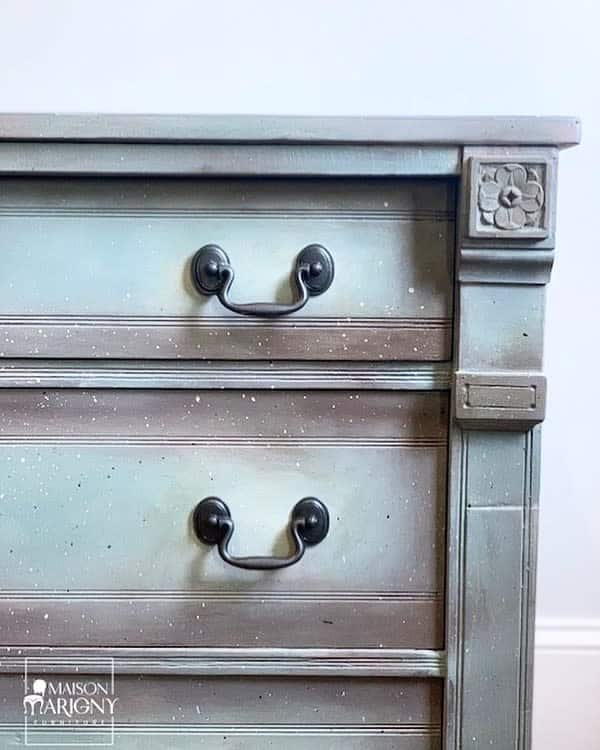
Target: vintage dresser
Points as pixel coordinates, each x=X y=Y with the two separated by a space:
x=270 y=401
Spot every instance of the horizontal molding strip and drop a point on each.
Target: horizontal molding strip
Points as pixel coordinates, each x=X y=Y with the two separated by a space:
x=231 y=661
x=191 y=338
x=351 y=597
x=304 y=730
x=226 y=322
x=320 y=214
x=208 y=441
x=117 y=374
x=234 y=160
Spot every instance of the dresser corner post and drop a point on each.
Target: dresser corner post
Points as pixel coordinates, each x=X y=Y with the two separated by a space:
x=505 y=247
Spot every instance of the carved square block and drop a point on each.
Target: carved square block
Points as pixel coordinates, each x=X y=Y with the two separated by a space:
x=510 y=199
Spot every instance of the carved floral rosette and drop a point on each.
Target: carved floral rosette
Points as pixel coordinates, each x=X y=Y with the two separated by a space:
x=509 y=200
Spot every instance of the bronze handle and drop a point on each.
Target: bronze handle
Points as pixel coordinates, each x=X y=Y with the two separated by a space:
x=212 y=273
x=213 y=524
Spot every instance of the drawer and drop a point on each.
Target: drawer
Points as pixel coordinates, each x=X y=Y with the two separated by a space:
x=244 y=712
x=102 y=268
x=99 y=488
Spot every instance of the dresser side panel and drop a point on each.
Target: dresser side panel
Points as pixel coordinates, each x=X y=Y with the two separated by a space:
x=498 y=402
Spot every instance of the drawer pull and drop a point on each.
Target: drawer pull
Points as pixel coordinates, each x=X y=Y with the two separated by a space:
x=309 y=524
x=212 y=273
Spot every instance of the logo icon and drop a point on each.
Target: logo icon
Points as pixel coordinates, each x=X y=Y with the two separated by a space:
x=37 y=697
x=69 y=705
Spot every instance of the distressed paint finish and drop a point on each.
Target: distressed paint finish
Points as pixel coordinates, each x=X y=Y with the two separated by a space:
x=377 y=459
x=337 y=713
x=118 y=413
x=353 y=705
x=494 y=466
x=391 y=241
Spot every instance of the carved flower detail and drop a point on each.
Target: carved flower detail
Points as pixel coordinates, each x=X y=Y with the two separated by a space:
x=510 y=197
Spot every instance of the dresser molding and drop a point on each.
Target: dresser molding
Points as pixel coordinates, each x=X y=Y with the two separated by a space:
x=236 y=661
x=125 y=374
x=212 y=160
x=155 y=736
x=281 y=146
x=505 y=266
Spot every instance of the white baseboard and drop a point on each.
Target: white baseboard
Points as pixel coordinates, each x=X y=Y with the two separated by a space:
x=566 y=702
x=573 y=635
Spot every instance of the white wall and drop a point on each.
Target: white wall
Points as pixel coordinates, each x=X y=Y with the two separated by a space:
x=373 y=57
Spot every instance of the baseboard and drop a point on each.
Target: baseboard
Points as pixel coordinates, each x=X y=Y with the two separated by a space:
x=566 y=700
x=553 y=635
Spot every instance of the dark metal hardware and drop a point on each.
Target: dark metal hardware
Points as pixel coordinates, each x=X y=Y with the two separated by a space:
x=212 y=273
x=309 y=524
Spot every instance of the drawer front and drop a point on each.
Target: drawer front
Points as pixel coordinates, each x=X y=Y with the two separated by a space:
x=105 y=482
x=244 y=712
x=102 y=268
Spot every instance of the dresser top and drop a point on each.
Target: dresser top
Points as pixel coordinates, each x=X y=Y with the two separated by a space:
x=534 y=131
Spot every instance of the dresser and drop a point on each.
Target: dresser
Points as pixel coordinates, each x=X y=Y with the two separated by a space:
x=270 y=406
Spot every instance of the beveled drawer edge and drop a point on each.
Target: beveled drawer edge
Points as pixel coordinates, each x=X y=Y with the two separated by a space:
x=23 y=373
x=415 y=663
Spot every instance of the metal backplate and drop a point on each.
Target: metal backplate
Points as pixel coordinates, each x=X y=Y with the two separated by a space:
x=206 y=519
x=315 y=519
x=320 y=262
x=206 y=267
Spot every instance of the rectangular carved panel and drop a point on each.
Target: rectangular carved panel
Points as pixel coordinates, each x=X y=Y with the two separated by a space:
x=496 y=463
x=491 y=605
x=506 y=401
x=492 y=627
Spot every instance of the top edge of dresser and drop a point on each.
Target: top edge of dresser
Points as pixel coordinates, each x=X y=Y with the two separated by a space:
x=561 y=132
